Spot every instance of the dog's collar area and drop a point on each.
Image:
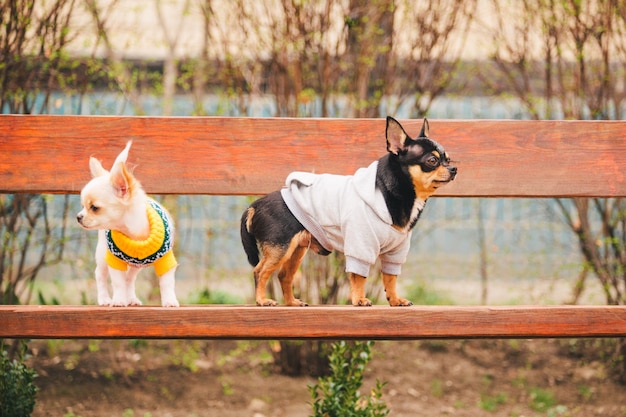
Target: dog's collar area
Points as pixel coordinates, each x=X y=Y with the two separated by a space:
x=147 y=251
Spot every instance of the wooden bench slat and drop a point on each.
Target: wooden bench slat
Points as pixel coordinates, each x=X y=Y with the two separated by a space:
x=316 y=322
x=252 y=156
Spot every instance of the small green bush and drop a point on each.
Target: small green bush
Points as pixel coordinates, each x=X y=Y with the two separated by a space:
x=17 y=390
x=337 y=395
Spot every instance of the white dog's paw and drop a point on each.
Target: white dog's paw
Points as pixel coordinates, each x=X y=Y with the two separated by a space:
x=119 y=302
x=171 y=302
x=134 y=301
x=105 y=301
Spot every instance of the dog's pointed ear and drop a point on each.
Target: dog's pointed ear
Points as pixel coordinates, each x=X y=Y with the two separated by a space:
x=396 y=136
x=425 y=129
x=123 y=156
x=96 y=168
x=121 y=179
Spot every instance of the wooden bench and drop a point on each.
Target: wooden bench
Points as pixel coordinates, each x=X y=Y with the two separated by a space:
x=252 y=156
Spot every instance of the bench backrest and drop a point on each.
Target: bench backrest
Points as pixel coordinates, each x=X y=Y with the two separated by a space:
x=252 y=156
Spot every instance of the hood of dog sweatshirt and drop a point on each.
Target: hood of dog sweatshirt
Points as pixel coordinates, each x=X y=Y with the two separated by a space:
x=349 y=214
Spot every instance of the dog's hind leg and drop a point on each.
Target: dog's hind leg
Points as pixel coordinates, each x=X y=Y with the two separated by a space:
x=389 y=282
x=273 y=258
x=357 y=290
x=286 y=275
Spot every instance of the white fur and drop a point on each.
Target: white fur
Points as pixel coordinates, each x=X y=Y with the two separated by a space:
x=115 y=201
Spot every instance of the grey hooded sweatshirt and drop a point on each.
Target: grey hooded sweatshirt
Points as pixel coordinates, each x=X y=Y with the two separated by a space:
x=349 y=213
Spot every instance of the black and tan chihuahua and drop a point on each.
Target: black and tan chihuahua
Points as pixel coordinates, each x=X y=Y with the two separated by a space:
x=368 y=215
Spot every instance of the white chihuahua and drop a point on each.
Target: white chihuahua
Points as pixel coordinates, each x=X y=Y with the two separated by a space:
x=134 y=231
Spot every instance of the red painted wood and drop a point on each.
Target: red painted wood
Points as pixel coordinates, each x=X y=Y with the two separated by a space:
x=222 y=155
x=217 y=155
x=316 y=322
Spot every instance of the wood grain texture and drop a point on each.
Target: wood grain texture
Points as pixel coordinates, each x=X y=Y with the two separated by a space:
x=316 y=322
x=252 y=156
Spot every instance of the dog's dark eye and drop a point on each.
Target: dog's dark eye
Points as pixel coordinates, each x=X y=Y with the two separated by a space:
x=432 y=160
x=94 y=209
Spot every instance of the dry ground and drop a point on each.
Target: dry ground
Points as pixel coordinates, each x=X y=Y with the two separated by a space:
x=228 y=378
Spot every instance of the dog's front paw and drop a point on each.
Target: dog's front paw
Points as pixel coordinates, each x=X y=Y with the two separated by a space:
x=119 y=301
x=362 y=302
x=134 y=301
x=400 y=302
x=297 y=303
x=266 y=302
x=170 y=303
x=105 y=301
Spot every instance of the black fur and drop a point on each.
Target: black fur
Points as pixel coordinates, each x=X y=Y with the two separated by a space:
x=393 y=178
x=395 y=183
x=269 y=225
x=265 y=228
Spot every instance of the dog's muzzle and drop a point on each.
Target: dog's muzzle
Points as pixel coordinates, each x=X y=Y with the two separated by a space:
x=452 y=171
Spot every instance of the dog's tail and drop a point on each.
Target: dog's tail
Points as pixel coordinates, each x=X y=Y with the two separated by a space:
x=247 y=239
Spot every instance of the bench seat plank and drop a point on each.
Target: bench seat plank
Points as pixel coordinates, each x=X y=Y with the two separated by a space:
x=315 y=322
x=252 y=156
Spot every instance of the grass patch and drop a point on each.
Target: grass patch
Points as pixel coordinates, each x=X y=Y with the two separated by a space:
x=491 y=402
x=541 y=400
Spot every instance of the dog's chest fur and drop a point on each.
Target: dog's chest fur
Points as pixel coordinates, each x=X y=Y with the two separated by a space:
x=397 y=189
x=416 y=211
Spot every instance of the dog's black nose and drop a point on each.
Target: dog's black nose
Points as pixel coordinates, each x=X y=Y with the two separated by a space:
x=452 y=171
x=79 y=218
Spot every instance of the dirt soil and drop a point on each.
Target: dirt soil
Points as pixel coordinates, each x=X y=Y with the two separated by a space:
x=229 y=378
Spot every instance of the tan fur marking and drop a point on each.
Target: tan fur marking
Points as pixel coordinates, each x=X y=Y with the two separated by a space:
x=270 y=261
x=357 y=291
x=249 y=218
x=286 y=276
x=389 y=282
x=288 y=261
x=424 y=182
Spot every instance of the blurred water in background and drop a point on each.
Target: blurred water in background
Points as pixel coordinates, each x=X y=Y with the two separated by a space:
x=532 y=257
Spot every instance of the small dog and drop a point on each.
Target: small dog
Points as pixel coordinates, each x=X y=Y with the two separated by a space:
x=366 y=216
x=134 y=231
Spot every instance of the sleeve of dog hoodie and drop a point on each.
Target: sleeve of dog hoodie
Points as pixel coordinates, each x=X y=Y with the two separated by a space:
x=368 y=238
x=363 y=230
x=371 y=226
